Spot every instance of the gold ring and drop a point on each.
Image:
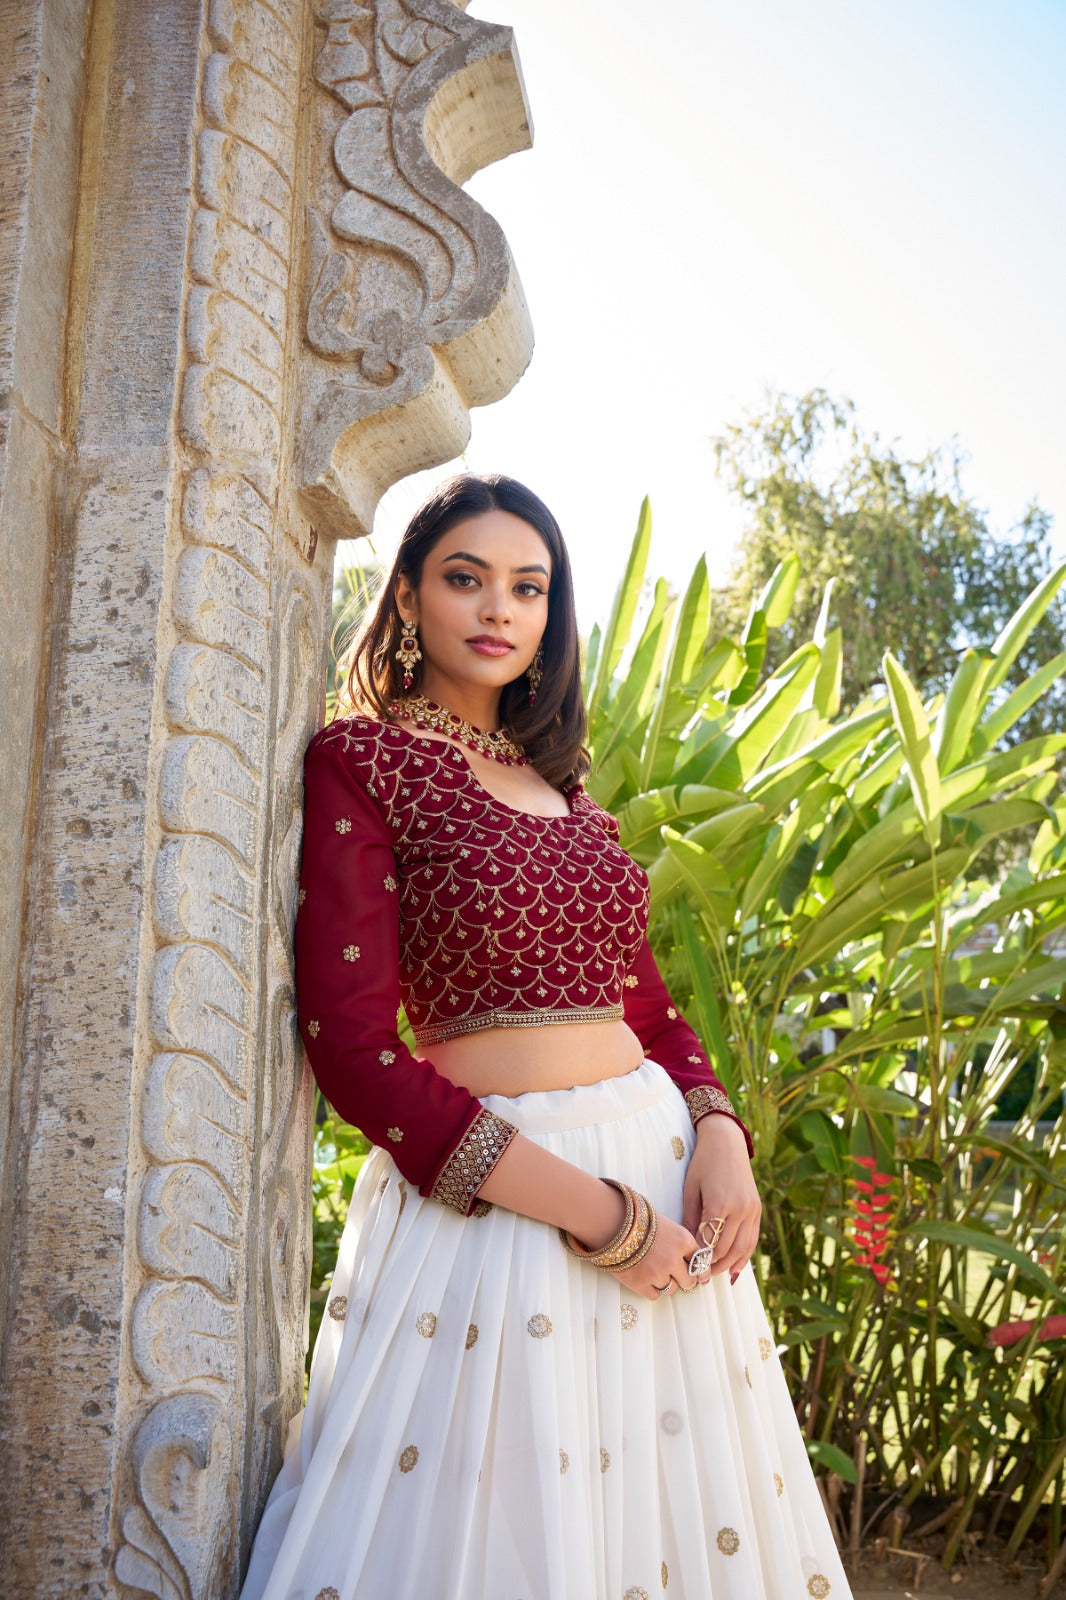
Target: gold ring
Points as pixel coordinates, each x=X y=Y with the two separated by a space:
x=716 y=1224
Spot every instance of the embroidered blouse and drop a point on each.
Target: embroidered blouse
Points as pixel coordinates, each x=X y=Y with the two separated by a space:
x=419 y=888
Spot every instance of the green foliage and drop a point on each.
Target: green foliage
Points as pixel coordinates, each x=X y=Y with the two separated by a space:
x=913 y=565
x=339 y=1153
x=821 y=911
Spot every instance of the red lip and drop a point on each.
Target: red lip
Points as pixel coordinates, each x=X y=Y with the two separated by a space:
x=488 y=638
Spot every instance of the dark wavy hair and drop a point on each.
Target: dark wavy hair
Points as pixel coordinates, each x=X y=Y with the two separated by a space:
x=551 y=730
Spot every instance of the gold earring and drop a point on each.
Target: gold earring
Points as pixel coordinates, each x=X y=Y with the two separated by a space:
x=534 y=672
x=409 y=653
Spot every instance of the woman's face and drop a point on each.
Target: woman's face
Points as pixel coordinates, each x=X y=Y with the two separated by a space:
x=482 y=604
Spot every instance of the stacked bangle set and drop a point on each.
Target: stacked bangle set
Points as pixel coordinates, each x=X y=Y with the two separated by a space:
x=632 y=1241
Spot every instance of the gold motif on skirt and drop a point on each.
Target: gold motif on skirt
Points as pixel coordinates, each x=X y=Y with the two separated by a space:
x=677 y=1145
x=564 y=1462
x=408 y=1457
x=539 y=1326
x=747 y=1376
x=605 y=1460
x=383 y=1185
x=427 y=1324
x=779 y=1484
x=471 y=1336
x=328 y=1594
x=818 y=1586
x=630 y=1315
x=766 y=1349
x=665 y=1574
x=338 y=1307
x=671 y=1422
x=635 y=1592
x=728 y=1541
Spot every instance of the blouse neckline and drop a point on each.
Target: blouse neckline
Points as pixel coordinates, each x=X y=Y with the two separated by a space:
x=569 y=795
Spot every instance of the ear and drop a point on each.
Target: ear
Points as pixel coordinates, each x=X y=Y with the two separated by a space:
x=406 y=598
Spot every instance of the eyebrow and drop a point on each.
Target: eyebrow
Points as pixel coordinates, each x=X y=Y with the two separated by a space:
x=464 y=555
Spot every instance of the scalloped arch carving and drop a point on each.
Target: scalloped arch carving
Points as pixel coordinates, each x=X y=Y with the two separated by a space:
x=414 y=309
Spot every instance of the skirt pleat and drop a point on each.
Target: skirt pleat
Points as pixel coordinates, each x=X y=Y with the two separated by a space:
x=490 y=1419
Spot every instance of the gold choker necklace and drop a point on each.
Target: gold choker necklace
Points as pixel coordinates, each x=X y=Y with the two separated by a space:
x=428 y=714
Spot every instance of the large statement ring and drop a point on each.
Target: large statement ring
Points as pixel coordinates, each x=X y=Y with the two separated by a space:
x=716 y=1224
x=700 y=1260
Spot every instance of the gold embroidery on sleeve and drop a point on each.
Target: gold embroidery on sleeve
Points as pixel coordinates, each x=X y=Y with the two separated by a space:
x=395 y=1134
x=671 y=1012
x=473 y=1159
x=343 y=825
x=387 y=1057
x=312 y=1028
x=703 y=1099
x=631 y=982
x=351 y=952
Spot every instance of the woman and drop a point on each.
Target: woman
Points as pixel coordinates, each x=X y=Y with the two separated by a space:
x=545 y=1369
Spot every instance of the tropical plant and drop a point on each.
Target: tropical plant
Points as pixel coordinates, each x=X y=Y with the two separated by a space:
x=868 y=996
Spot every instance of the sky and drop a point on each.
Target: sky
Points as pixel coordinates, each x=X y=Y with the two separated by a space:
x=730 y=196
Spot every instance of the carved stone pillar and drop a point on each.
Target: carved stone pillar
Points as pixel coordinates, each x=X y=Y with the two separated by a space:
x=274 y=301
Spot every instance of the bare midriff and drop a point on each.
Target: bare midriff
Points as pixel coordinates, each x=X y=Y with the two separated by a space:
x=526 y=1060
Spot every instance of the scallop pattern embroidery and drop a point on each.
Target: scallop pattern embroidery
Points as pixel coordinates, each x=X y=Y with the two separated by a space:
x=500 y=911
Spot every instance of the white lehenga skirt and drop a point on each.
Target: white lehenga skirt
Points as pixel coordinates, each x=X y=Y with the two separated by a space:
x=490 y=1419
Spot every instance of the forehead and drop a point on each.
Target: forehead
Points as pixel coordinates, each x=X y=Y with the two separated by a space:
x=498 y=537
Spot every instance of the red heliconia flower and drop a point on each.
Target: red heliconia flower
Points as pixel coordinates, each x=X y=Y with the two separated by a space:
x=871 y=1229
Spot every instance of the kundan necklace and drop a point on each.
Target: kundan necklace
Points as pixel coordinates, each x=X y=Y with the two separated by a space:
x=428 y=714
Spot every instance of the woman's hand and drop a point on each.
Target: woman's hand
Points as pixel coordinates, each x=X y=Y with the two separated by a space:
x=719 y=1183
x=665 y=1267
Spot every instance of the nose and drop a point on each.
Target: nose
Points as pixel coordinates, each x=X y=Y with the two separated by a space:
x=496 y=602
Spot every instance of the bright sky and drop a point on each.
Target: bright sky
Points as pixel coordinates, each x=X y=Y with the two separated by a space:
x=724 y=195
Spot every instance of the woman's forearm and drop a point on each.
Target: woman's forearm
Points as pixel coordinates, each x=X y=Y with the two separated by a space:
x=539 y=1184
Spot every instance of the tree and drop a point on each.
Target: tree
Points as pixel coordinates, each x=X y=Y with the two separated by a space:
x=914 y=566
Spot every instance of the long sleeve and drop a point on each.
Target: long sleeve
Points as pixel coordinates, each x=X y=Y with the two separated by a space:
x=442 y=1139
x=668 y=1039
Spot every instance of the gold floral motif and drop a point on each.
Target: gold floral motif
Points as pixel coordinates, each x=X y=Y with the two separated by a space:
x=635 y=1592
x=818 y=1586
x=766 y=1348
x=605 y=1460
x=390 y=882
x=471 y=1336
x=728 y=1541
x=408 y=1457
x=427 y=1324
x=301 y=897
x=539 y=1326
x=664 y=1574
x=328 y=1594
x=387 y=1057
x=351 y=952
x=564 y=1462
x=395 y=1134
x=383 y=1185
x=338 y=1307
x=702 y=1100
x=671 y=1012
x=779 y=1484
x=630 y=1315
x=470 y=1163
x=747 y=1376
x=343 y=825
x=312 y=1028
x=677 y=1145
x=631 y=982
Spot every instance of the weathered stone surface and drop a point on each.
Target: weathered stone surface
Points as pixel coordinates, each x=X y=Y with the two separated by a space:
x=241 y=294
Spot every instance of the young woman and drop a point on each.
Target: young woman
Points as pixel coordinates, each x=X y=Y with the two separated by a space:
x=545 y=1371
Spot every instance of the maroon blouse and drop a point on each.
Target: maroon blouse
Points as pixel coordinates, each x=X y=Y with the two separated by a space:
x=418 y=887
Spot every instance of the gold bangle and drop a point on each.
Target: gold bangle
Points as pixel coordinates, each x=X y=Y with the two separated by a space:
x=617 y=1241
